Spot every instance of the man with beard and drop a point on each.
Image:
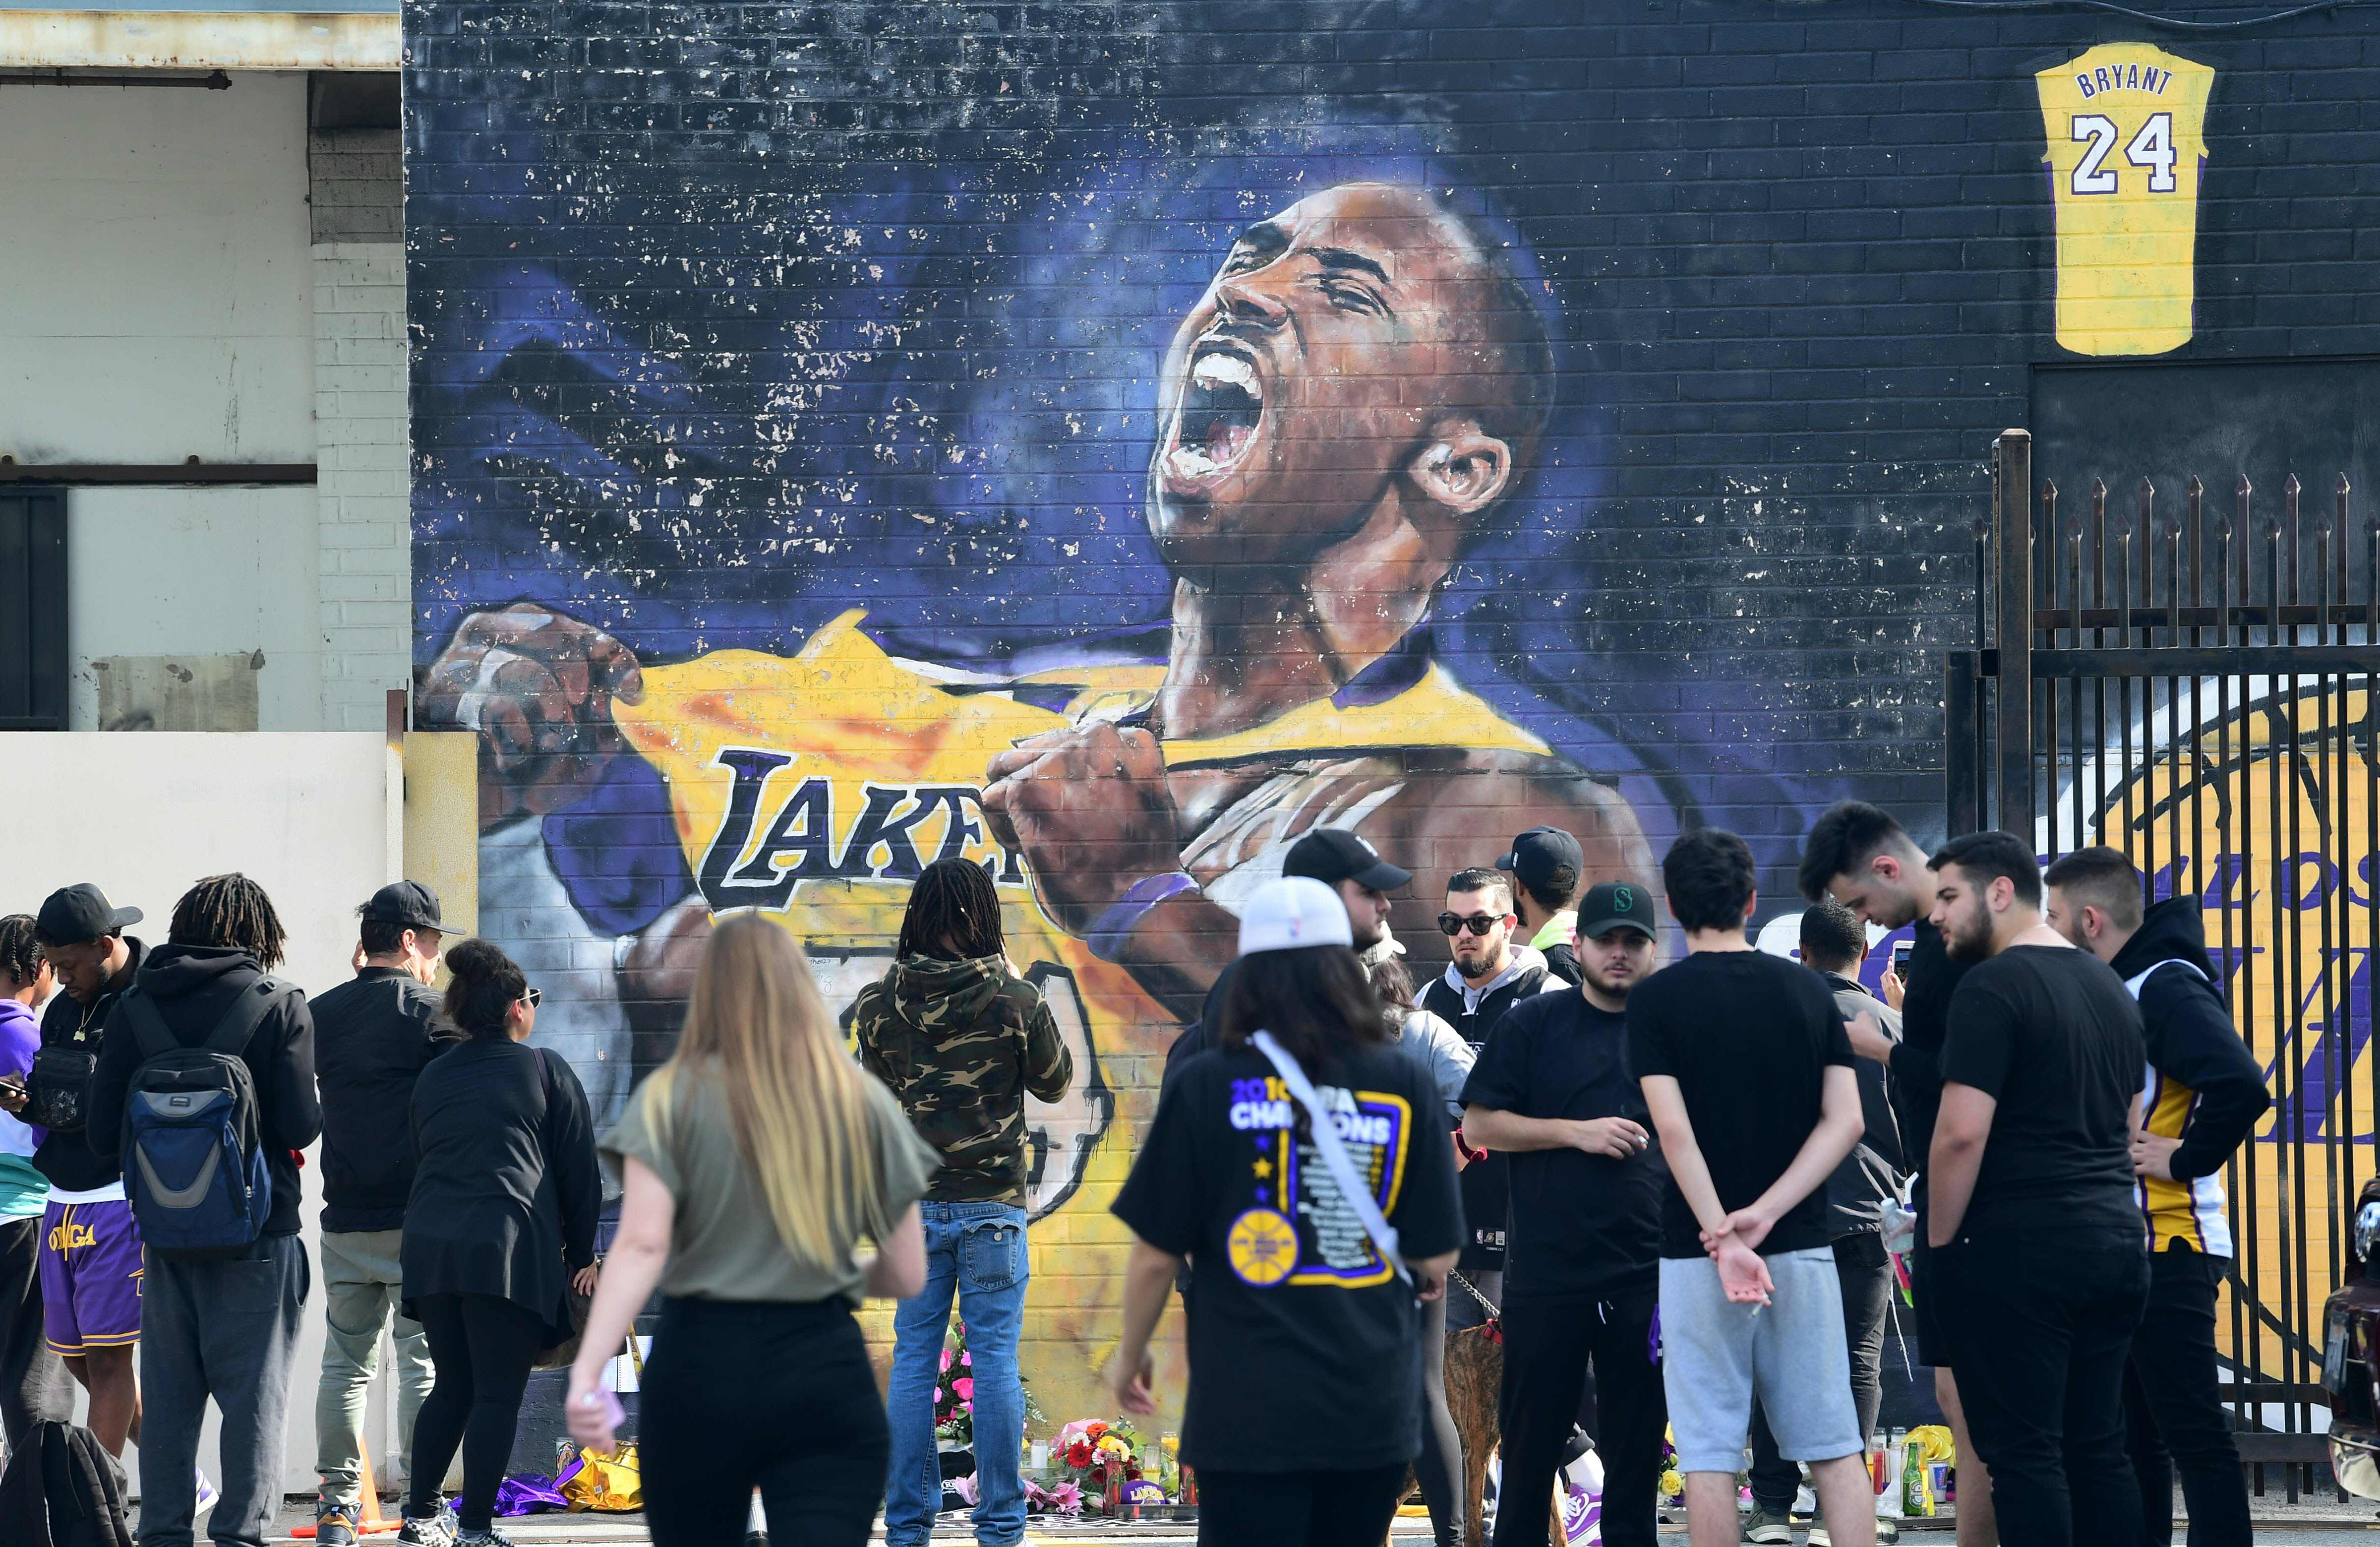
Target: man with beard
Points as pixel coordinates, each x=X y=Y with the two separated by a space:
x=1552 y=1094
x=1858 y=855
x=2038 y=1261
x=2203 y=1097
x=1487 y=976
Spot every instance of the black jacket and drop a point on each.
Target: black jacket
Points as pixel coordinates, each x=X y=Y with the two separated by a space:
x=505 y=1193
x=67 y=1159
x=2192 y=1041
x=372 y=1037
x=191 y=986
x=1856 y=1192
x=1487 y=1181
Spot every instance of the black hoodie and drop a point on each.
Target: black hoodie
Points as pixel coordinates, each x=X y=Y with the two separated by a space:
x=2211 y=1091
x=191 y=986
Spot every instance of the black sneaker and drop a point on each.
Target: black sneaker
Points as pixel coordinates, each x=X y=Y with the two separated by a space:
x=489 y=1538
x=334 y=1524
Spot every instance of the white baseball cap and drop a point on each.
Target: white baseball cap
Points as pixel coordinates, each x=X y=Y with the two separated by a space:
x=1293 y=912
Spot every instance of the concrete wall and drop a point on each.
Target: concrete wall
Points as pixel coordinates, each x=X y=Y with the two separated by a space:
x=305 y=815
x=189 y=273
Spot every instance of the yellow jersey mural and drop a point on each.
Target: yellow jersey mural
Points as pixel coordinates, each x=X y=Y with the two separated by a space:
x=2126 y=129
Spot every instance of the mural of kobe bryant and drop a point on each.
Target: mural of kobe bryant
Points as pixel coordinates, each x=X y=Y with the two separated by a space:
x=1344 y=410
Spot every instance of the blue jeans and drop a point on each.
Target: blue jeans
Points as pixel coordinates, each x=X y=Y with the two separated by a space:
x=976 y=1250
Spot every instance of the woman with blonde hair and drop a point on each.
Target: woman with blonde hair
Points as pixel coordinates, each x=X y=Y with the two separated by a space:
x=755 y=1162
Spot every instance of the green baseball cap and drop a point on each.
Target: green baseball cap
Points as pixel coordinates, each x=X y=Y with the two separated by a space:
x=1617 y=904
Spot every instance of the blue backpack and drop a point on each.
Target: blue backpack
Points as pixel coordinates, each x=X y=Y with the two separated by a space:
x=194 y=1164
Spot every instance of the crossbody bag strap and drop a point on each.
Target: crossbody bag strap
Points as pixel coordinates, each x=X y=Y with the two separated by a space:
x=1335 y=1159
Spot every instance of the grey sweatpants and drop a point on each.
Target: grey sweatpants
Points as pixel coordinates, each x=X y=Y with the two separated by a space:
x=224 y=1330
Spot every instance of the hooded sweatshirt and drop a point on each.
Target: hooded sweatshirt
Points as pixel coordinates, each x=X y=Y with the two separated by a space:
x=192 y=986
x=962 y=1044
x=23 y=1190
x=2202 y=1087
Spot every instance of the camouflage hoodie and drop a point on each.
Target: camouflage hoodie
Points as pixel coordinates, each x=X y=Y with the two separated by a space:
x=962 y=1044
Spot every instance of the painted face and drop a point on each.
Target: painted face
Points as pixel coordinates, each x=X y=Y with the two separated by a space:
x=1312 y=371
x=1475 y=953
x=1963 y=915
x=1616 y=961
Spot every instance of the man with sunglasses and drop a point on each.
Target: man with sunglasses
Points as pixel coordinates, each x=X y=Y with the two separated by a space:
x=1552 y=1094
x=1488 y=975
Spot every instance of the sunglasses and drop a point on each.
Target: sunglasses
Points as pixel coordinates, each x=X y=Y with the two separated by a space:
x=1478 y=923
x=533 y=998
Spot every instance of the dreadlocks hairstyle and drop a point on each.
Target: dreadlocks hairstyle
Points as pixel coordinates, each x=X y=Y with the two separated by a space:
x=952 y=901
x=20 y=954
x=230 y=910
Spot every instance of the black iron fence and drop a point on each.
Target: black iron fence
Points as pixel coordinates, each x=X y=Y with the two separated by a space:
x=2189 y=675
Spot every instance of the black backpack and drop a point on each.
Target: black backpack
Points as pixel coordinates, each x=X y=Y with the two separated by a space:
x=62 y=1489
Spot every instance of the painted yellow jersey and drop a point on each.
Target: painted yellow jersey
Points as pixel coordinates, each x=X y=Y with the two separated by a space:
x=2126 y=131
x=816 y=788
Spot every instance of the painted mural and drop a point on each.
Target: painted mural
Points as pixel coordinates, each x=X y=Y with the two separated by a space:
x=1109 y=441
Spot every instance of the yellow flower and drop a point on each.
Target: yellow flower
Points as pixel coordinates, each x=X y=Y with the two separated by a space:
x=1673 y=1485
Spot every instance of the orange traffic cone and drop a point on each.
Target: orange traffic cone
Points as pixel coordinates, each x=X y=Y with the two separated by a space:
x=369 y=1519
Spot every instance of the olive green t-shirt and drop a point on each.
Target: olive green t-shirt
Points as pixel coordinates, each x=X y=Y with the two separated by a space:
x=725 y=1245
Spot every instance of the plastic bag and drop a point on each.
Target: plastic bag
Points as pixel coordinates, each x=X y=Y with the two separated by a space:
x=607 y=1484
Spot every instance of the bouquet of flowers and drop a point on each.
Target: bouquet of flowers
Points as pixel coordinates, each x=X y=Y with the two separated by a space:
x=1098 y=1454
x=955 y=1391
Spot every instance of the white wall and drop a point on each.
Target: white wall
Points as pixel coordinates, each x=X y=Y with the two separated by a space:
x=305 y=815
x=155 y=283
x=161 y=298
x=197 y=572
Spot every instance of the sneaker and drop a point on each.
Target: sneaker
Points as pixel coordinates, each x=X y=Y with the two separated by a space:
x=1766 y=1524
x=334 y=1524
x=435 y=1529
x=1887 y=1533
x=489 y=1538
x=203 y=1500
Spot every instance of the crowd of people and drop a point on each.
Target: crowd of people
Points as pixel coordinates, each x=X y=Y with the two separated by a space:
x=1676 y=1186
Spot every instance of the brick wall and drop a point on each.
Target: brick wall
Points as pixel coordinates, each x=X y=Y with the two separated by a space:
x=361 y=454
x=357 y=185
x=729 y=318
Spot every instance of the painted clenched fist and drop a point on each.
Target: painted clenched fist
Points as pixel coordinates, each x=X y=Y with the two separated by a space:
x=1089 y=809
x=537 y=686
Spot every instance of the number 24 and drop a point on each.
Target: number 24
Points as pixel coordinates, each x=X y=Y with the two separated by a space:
x=2152 y=147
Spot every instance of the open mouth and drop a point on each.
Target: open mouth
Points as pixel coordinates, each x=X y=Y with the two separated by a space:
x=1217 y=421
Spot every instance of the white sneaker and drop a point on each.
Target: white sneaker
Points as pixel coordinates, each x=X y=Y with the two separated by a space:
x=204 y=1500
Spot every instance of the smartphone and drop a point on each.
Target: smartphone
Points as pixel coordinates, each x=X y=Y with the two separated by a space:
x=12 y=1085
x=1901 y=952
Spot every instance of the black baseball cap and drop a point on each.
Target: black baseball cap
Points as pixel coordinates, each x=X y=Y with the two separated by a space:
x=1615 y=905
x=408 y=903
x=73 y=914
x=1538 y=852
x=1332 y=854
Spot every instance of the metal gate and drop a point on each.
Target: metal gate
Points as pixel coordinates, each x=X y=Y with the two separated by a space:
x=2189 y=675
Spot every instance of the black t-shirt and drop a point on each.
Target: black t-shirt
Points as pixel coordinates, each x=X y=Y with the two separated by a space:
x=1916 y=1068
x=1305 y=1346
x=2052 y=1035
x=1582 y=1226
x=1748 y=1037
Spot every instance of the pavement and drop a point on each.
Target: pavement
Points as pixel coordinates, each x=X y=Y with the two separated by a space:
x=2310 y=1523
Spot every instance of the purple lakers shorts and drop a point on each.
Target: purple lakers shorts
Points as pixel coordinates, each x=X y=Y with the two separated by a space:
x=91 y=1276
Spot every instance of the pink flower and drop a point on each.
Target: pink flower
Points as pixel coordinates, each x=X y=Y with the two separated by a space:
x=946 y=1359
x=966 y=1358
x=963 y=1388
